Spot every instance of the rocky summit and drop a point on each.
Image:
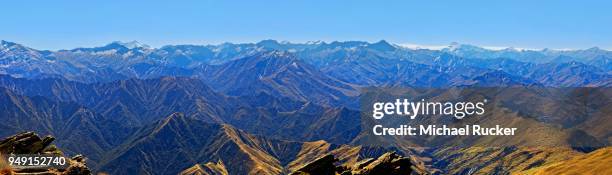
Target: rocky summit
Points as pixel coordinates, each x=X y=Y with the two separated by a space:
x=389 y=163
x=31 y=143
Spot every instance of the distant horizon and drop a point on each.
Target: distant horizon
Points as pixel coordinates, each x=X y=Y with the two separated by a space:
x=403 y=45
x=54 y=25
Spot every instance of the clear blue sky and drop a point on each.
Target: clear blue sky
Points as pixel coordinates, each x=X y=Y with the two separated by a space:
x=518 y=23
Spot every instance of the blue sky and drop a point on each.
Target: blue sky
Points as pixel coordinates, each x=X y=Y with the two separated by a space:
x=519 y=23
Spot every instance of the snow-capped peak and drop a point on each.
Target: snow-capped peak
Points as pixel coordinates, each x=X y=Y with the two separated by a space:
x=317 y=42
x=6 y=44
x=418 y=46
x=454 y=46
x=132 y=44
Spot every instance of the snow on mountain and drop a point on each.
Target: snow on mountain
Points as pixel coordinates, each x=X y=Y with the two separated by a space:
x=132 y=44
x=118 y=60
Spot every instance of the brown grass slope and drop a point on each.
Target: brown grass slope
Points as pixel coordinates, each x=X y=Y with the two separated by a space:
x=596 y=162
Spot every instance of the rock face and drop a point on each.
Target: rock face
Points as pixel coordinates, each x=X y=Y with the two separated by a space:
x=31 y=143
x=389 y=163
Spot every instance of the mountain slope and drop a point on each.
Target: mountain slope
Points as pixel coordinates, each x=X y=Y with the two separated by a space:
x=280 y=74
x=132 y=101
x=137 y=102
x=500 y=160
x=78 y=129
x=596 y=162
x=180 y=142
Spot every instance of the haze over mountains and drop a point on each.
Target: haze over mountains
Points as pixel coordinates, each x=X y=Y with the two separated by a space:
x=272 y=107
x=353 y=62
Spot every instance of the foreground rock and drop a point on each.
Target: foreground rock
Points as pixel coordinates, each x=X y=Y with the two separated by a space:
x=389 y=163
x=31 y=143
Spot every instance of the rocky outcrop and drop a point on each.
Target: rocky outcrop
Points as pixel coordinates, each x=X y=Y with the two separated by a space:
x=389 y=163
x=28 y=143
x=323 y=166
x=31 y=143
x=209 y=168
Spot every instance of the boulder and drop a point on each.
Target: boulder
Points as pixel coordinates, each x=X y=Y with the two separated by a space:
x=31 y=143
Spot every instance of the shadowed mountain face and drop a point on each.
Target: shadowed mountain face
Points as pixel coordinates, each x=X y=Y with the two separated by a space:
x=137 y=102
x=132 y=101
x=78 y=129
x=280 y=74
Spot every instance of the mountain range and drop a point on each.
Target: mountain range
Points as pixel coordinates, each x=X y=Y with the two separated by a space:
x=277 y=107
x=354 y=62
